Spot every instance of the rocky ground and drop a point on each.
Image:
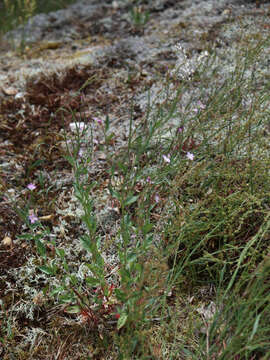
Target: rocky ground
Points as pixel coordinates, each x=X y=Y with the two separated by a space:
x=95 y=47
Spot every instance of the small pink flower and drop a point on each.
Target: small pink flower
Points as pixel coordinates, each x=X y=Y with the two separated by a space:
x=157 y=198
x=99 y=121
x=166 y=158
x=148 y=180
x=201 y=105
x=31 y=186
x=80 y=153
x=180 y=129
x=190 y=156
x=33 y=218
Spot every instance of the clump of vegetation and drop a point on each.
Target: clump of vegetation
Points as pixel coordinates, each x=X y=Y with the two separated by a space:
x=179 y=268
x=15 y=13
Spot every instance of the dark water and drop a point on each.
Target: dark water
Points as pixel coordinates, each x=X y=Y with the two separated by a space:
x=15 y=12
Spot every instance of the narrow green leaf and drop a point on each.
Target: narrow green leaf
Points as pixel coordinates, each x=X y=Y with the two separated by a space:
x=73 y=280
x=107 y=123
x=73 y=309
x=130 y=200
x=57 y=290
x=120 y=295
x=122 y=167
x=121 y=321
x=67 y=298
x=147 y=227
x=255 y=327
x=115 y=193
x=86 y=243
x=47 y=270
x=65 y=265
x=60 y=253
x=92 y=281
x=131 y=257
x=41 y=249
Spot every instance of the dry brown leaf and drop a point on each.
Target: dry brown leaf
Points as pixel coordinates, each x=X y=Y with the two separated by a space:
x=7 y=241
x=10 y=91
x=46 y=217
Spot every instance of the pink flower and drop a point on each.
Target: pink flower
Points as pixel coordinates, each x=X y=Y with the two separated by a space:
x=190 y=156
x=148 y=180
x=31 y=186
x=80 y=153
x=33 y=218
x=99 y=121
x=157 y=198
x=166 y=158
x=201 y=105
x=180 y=129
